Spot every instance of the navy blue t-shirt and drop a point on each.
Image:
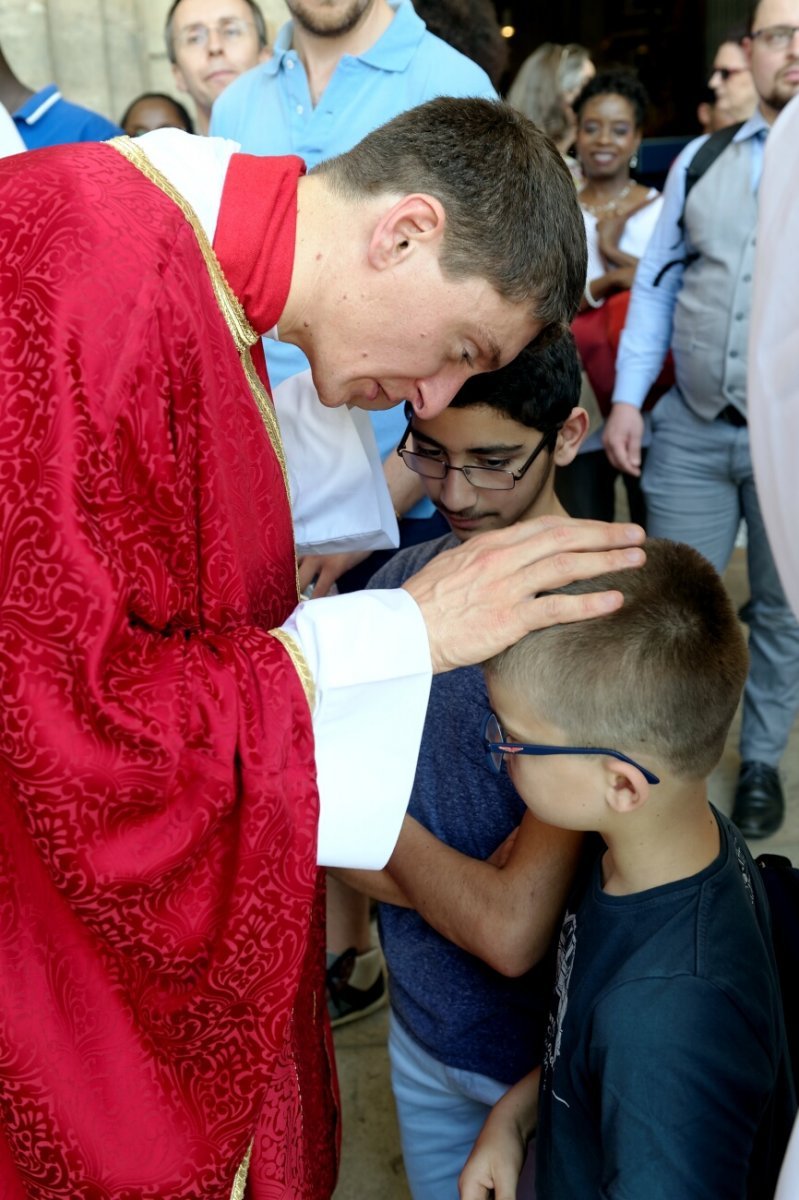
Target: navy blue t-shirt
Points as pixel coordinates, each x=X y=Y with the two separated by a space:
x=459 y=1009
x=665 y=1073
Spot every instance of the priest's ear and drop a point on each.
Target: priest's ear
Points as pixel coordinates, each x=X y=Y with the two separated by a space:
x=410 y=224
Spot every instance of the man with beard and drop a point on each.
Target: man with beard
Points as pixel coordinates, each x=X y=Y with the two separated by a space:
x=693 y=291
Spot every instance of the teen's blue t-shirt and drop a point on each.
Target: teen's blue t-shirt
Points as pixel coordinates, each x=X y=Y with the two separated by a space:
x=464 y=1013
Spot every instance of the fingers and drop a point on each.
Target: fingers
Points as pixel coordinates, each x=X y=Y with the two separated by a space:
x=327 y=577
x=307 y=568
x=476 y=1179
x=622 y=438
x=624 y=453
x=550 y=535
x=484 y=1177
x=557 y=570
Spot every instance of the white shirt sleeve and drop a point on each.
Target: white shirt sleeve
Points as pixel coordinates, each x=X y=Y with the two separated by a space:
x=339 y=497
x=773 y=391
x=370 y=660
x=10 y=140
x=647 y=331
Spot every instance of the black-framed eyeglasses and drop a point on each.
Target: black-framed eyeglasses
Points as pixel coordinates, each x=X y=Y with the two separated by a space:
x=496 y=479
x=776 y=37
x=725 y=73
x=497 y=746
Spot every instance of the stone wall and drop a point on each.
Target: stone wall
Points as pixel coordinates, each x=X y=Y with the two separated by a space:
x=101 y=53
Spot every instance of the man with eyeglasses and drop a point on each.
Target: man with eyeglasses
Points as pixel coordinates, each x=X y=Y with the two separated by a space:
x=209 y=44
x=461 y=937
x=731 y=83
x=693 y=291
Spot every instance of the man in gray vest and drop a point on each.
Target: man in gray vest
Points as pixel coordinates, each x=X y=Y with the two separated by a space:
x=692 y=291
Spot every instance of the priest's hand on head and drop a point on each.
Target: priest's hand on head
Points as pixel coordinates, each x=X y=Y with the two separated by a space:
x=484 y=595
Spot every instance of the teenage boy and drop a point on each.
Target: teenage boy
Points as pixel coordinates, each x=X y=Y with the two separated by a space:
x=665 y=1070
x=461 y=1031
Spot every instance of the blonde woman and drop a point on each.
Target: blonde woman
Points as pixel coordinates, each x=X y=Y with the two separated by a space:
x=545 y=86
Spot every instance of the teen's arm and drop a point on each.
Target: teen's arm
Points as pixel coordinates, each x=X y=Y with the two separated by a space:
x=494 y=1165
x=505 y=915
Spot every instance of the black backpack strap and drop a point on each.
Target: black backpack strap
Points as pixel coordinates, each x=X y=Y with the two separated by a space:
x=704 y=158
x=781 y=882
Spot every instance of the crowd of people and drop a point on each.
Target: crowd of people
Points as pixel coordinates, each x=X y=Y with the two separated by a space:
x=318 y=604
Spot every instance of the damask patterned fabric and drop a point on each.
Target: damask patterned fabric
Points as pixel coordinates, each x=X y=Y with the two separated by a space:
x=157 y=796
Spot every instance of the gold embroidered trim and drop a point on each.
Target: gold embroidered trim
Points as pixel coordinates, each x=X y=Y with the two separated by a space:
x=240 y=1182
x=240 y=328
x=300 y=665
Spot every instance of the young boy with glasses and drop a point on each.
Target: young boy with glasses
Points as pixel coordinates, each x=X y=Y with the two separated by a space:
x=665 y=1071
x=463 y=935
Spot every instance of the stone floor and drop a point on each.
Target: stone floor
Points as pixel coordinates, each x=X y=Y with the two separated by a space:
x=371 y=1167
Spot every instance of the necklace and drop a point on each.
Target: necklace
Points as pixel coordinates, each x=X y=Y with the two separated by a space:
x=599 y=210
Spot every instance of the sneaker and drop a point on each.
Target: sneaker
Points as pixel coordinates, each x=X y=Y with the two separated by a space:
x=356 y=985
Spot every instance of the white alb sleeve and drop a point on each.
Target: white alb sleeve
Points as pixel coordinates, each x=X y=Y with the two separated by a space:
x=369 y=657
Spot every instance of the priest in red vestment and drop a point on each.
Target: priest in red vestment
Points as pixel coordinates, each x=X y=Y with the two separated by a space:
x=170 y=716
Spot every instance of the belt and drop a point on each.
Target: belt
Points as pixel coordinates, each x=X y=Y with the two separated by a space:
x=732 y=416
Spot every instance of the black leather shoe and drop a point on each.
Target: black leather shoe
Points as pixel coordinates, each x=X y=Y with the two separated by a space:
x=759 y=807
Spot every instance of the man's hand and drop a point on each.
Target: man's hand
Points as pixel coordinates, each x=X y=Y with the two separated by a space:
x=624 y=431
x=326 y=569
x=484 y=595
x=495 y=1164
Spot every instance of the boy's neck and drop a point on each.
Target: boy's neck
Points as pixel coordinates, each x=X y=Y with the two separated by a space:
x=660 y=843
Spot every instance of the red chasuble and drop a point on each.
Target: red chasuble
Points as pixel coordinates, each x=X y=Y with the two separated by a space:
x=159 y=990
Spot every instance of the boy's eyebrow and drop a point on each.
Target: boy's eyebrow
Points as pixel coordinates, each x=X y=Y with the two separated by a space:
x=498 y=448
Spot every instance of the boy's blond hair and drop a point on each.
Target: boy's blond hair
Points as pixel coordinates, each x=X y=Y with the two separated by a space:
x=661 y=675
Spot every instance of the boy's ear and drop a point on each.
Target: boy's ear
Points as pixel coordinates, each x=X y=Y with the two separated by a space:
x=571 y=437
x=410 y=222
x=626 y=789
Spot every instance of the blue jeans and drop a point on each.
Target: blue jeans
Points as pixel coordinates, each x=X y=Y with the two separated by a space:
x=698 y=484
x=440 y=1111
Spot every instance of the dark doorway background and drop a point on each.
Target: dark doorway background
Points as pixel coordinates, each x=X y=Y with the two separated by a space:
x=667 y=43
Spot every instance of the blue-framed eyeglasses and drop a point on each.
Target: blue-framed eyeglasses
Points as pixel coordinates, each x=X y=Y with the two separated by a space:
x=495 y=479
x=497 y=746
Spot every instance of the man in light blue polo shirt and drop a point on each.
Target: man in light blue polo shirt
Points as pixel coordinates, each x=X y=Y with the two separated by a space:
x=338 y=71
